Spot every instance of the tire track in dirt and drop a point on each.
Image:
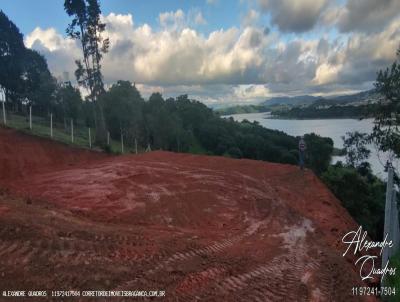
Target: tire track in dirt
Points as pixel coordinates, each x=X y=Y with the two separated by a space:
x=216 y=247
x=269 y=281
x=284 y=278
x=196 y=281
x=73 y=251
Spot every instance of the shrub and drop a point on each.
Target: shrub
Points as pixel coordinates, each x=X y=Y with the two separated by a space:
x=363 y=195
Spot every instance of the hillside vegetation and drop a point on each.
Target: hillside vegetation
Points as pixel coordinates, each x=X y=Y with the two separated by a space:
x=308 y=107
x=321 y=112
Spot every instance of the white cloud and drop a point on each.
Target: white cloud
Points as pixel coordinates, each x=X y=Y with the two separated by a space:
x=251 y=92
x=251 y=17
x=118 y=22
x=235 y=64
x=49 y=38
x=326 y=74
x=367 y=15
x=294 y=16
x=173 y=20
x=60 y=52
x=199 y=19
x=178 y=20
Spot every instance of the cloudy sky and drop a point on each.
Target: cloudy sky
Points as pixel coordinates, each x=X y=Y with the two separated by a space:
x=218 y=51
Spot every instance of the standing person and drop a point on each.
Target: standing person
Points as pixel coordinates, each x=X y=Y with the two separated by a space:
x=302 y=149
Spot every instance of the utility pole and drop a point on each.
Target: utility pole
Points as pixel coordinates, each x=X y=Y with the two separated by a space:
x=388 y=217
x=395 y=225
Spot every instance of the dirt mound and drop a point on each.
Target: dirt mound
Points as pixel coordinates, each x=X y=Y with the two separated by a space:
x=199 y=227
x=22 y=155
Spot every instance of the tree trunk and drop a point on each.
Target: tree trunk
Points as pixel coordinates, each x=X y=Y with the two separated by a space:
x=101 y=131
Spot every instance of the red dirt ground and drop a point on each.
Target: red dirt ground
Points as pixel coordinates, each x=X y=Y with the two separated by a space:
x=199 y=227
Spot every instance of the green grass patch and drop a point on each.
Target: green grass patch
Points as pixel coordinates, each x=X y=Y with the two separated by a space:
x=197 y=148
x=41 y=127
x=393 y=281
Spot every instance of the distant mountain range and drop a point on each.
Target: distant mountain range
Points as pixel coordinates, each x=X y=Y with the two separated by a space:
x=361 y=98
x=291 y=101
x=302 y=100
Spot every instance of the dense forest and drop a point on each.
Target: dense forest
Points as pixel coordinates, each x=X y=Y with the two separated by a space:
x=24 y=75
x=362 y=104
x=316 y=110
x=325 y=112
x=242 y=109
x=186 y=125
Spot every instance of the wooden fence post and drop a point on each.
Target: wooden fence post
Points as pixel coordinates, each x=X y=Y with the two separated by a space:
x=136 y=146
x=72 y=130
x=3 y=100
x=122 y=143
x=4 y=112
x=90 y=140
x=148 y=149
x=51 y=125
x=30 y=117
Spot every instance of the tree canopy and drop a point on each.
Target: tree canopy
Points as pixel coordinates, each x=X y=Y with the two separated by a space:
x=24 y=74
x=386 y=132
x=12 y=52
x=87 y=27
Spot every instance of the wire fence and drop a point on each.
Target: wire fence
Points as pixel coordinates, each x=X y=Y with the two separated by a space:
x=391 y=227
x=68 y=131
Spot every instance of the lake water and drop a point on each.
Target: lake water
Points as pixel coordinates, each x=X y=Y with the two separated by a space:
x=333 y=128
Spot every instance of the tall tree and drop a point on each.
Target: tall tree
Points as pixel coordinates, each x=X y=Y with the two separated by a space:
x=319 y=152
x=69 y=102
x=355 y=145
x=12 y=50
x=38 y=85
x=386 y=131
x=87 y=27
x=23 y=72
x=123 y=106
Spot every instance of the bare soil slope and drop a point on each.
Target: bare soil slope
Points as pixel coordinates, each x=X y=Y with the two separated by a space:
x=199 y=227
